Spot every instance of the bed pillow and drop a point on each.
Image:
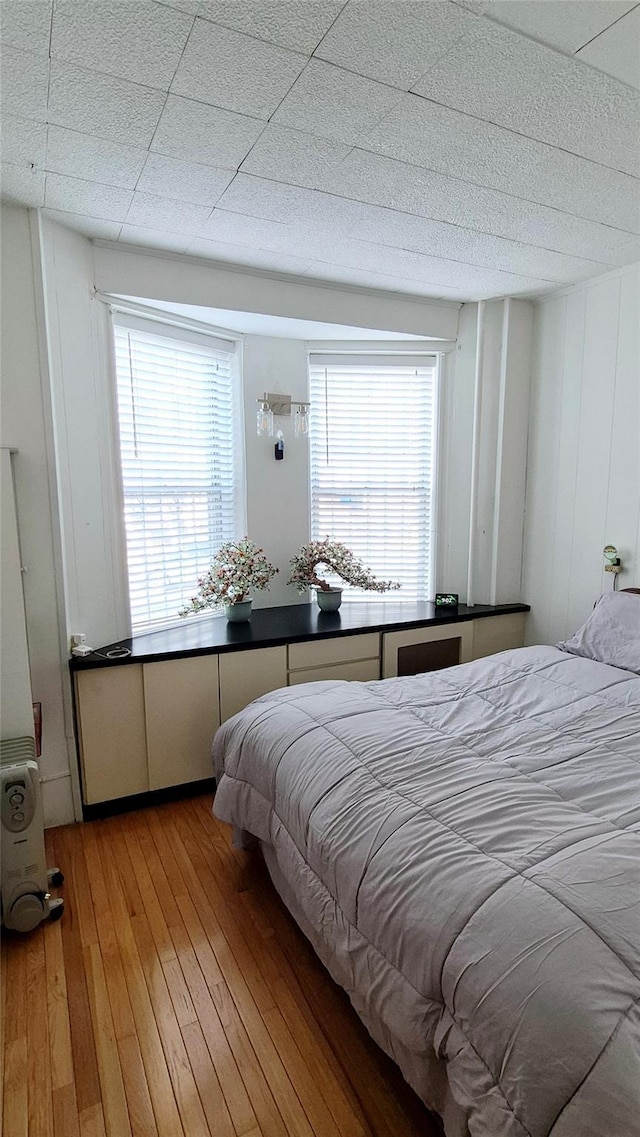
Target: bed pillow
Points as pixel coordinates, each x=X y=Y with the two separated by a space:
x=611 y=634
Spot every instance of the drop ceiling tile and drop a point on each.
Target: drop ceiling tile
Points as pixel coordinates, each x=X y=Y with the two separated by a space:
x=140 y=40
x=617 y=51
x=259 y=197
x=23 y=84
x=199 y=133
x=73 y=195
x=425 y=134
x=154 y=238
x=23 y=141
x=103 y=105
x=298 y=24
x=186 y=181
x=391 y=42
x=22 y=184
x=94 y=159
x=153 y=212
x=293 y=156
x=26 y=25
x=238 y=229
x=384 y=181
x=358 y=278
x=563 y=24
x=243 y=255
x=190 y=6
x=336 y=104
x=88 y=226
x=230 y=70
x=499 y=76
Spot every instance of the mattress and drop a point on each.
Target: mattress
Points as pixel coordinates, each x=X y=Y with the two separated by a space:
x=462 y=850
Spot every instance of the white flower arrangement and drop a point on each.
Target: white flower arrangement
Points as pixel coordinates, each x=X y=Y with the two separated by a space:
x=339 y=559
x=238 y=568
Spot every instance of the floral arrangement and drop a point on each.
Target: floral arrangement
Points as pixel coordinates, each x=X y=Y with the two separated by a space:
x=238 y=568
x=340 y=560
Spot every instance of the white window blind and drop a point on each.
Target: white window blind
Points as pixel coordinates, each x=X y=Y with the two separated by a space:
x=372 y=464
x=177 y=411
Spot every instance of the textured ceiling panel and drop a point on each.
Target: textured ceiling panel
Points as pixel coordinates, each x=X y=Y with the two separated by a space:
x=563 y=24
x=384 y=181
x=617 y=51
x=184 y=181
x=23 y=84
x=503 y=78
x=326 y=213
x=88 y=226
x=336 y=104
x=154 y=238
x=103 y=105
x=22 y=184
x=140 y=40
x=23 y=143
x=227 y=69
x=298 y=24
x=504 y=175
x=292 y=156
x=95 y=159
x=438 y=138
x=163 y=213
x=27 y=26
x=73 y=195
x=204 y=134
x=245 y=255
x=394 y=42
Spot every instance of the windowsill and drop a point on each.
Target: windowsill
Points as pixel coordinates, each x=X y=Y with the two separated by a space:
x=270 y=627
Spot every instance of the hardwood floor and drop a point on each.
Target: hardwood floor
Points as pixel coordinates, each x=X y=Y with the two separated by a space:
x=177 y=997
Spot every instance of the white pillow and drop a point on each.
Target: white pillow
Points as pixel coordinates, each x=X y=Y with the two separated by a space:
x=611 y=634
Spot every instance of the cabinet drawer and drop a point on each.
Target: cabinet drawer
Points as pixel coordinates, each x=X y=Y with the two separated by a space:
x=342 y=649
x=362 y=670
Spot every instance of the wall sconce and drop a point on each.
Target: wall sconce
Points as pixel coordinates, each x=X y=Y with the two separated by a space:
x=275 y=404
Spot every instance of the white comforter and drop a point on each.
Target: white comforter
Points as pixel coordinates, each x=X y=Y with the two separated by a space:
x=465 y=847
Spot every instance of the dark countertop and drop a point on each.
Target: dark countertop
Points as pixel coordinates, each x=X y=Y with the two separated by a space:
x=269 y=627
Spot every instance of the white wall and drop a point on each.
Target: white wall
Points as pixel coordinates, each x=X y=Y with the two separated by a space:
x=26 y=424
x=277 y=492
x=583 y=480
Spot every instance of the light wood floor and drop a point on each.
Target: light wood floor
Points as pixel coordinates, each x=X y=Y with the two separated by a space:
x=176 y=996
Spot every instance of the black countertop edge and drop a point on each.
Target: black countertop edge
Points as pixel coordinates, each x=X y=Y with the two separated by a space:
x=272 y=627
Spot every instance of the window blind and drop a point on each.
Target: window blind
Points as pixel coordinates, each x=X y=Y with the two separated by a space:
x=372 y=464
x=176 y=412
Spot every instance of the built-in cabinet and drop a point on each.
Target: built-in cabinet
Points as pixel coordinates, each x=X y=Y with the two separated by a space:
x=148 y=726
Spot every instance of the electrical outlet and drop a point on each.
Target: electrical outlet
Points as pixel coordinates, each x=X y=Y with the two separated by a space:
x=77 y=639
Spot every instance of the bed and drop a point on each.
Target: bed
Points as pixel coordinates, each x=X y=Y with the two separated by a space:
x=461 y=848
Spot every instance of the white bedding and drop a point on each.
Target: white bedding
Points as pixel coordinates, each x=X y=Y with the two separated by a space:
x=462 y=849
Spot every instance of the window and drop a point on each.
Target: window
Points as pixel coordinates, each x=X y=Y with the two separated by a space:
x=178 y=413
x=372 y=463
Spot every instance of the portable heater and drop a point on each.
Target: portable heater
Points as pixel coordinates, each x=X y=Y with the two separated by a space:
x=24 y=877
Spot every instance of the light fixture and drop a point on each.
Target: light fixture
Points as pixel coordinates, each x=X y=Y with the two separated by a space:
x=301 y=421
x=281 y=405
x=264 y=421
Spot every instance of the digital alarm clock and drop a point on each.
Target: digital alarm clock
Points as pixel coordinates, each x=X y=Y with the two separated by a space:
x=446 y=600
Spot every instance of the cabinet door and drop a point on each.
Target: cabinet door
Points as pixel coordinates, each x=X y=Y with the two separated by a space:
x=182 y=715
x=394 y=643
x=244 y=675
x=113 y=751
x=497 y=633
